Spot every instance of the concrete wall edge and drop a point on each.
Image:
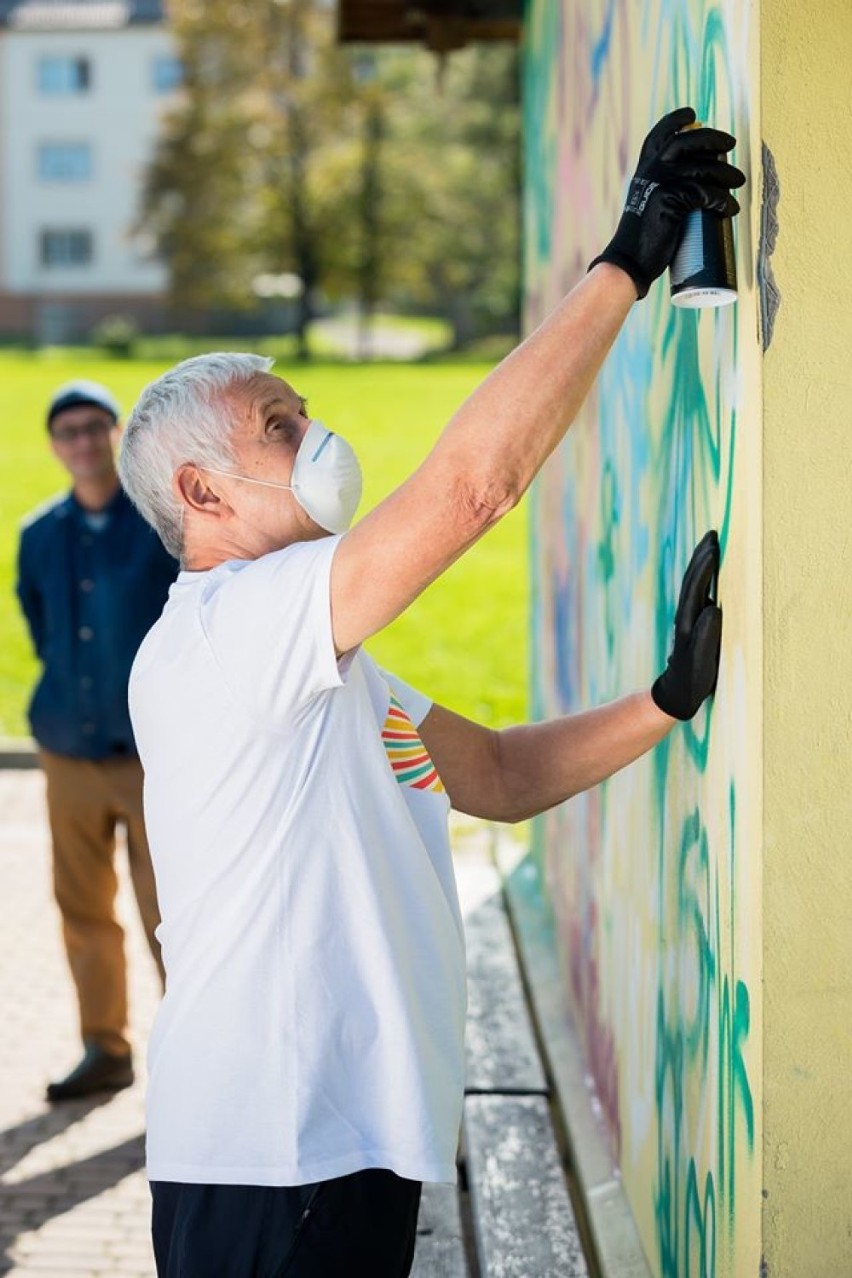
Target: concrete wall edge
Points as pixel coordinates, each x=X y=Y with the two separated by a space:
x=604 y=1209
x=17 y=752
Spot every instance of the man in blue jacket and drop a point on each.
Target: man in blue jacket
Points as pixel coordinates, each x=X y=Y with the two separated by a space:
x=92 y=580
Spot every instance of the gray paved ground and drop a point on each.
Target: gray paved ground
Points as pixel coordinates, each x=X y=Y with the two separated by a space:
x=73 y=1195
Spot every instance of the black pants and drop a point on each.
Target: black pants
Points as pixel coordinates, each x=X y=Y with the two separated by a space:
x=359 y=1226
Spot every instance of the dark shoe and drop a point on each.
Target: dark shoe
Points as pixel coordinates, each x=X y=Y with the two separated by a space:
x=98 y=1071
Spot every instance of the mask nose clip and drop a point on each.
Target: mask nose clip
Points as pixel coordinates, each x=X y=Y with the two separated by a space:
x=329 y=436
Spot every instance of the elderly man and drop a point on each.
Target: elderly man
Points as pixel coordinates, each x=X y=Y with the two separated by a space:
x=92 y=579
x=306 y=1066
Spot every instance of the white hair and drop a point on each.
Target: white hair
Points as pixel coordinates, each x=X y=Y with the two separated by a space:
x=180 y=419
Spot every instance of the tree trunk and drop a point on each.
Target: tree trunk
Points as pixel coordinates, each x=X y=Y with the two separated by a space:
x=369 y=268
x=460 y=315
x=304 y=248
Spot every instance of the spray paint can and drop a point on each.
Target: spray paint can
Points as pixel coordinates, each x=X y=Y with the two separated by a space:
x=704 y=268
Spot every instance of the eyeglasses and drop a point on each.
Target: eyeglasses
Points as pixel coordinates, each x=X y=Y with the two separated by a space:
x=90 y=430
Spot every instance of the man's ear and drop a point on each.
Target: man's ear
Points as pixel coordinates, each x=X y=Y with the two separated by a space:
x=194 y=492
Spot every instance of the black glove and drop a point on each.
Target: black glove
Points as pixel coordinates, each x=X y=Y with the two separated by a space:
x=677 y=173
x=690 y=675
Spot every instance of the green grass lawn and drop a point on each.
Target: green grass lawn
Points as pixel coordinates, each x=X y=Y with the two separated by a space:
x=464 y=642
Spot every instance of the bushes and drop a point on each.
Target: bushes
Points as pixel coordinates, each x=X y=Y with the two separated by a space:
x=116 y=335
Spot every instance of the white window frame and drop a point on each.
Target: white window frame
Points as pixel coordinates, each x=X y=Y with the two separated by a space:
x=50 y=260
x=172 y=82
x=49 y=156
x=63 y=86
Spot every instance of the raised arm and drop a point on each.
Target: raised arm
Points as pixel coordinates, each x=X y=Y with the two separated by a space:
x=482 y=463
x=501 y=436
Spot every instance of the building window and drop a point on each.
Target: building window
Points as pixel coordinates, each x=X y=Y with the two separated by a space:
x=64 y=75
x=66 y=248
x=65 y=161
x=167 y=73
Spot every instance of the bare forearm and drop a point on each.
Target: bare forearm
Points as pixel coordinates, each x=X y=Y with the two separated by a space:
x=543 y=764
x=511 y=423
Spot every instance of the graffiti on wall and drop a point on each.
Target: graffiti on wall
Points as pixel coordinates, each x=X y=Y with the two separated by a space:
x=653 y=877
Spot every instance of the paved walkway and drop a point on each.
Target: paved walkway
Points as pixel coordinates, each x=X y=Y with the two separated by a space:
x=73 y=1199
x=73 y=1195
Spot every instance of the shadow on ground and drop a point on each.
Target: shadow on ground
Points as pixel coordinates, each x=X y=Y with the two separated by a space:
x=30 y=1203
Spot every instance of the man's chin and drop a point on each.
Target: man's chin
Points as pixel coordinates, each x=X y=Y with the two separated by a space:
x=91 y=474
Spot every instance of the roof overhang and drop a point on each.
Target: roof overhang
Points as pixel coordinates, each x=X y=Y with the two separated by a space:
x=78 y=15
x=442 y=25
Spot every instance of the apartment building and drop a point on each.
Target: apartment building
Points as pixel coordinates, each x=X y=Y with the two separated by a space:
x=82 y=87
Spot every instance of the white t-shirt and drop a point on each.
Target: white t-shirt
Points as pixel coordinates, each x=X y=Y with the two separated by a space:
x=313 y=1020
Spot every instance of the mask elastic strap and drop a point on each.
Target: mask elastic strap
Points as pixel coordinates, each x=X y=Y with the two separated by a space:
x=264 y=483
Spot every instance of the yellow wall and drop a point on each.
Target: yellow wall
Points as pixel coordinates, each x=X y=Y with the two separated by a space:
x=704 y=899
x=806 y=72
x=655 y=878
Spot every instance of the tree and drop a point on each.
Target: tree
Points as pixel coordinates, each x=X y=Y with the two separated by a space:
x=365 y=175
x=306 y=95
x=455 y=185
x=236 y=187
x=205 y=164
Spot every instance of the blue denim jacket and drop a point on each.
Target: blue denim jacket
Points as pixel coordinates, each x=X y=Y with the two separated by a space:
x=90 y=595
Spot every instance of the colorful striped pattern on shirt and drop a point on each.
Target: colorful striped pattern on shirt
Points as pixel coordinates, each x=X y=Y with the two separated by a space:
x=406 y=752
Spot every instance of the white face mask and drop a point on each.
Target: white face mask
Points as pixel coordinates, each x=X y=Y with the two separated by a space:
x=326 y=478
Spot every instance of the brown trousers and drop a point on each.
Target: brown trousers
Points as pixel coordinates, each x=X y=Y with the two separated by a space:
x=86 y=799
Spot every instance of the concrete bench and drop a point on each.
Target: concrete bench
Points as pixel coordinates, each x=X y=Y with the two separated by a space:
x=511 y=1216
x=522 y=1215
